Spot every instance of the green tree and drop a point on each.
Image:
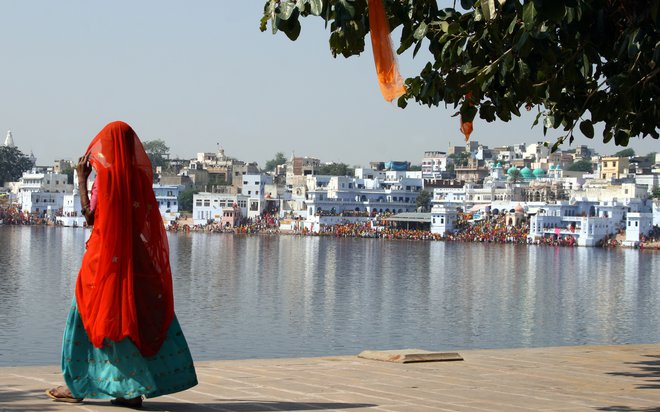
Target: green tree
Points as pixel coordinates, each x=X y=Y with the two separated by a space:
x=515 y=176
x=186 y=199
x=415 y=168
x=625 y=153
x=423 y=200
x=655 y=193
x=158 y=152
x=272 y=164
x=460 y=158
x=336 y=169
x=650 y=157
x=581 y=166
x=68 y=171
x=578 y=62
x=12 y=164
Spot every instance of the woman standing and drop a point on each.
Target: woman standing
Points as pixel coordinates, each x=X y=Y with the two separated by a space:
x=122 y=339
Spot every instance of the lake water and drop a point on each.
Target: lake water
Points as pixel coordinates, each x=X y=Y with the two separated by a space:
x=284 y=296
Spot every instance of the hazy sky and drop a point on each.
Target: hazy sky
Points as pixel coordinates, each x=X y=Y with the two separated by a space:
x=198 y=73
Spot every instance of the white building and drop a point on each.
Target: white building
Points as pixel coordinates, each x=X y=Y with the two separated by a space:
x=637 y=224
x=167 y=197
x=443 y=219
x=42 y=192
x=433 y=164
x=587 y=222
x=43 y=203
x=34 y=181
x=335 y=199
x=208 y=207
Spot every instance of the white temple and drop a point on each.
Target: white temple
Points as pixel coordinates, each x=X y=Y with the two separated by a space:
x=9 y=140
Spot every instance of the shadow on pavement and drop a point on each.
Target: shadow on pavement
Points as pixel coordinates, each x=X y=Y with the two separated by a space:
x=26 y=400
x=649 y=372
x=233 y=405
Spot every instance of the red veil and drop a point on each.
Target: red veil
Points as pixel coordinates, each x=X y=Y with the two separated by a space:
x=124 y=286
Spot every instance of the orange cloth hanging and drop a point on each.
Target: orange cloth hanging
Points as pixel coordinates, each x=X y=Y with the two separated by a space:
x=124 y=287
x=389 y=78
x=467 y=127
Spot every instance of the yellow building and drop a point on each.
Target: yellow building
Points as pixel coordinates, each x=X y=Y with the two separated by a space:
x=613 y=167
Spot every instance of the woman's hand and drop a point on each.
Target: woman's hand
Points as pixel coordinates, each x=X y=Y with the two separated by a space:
x=84 y=168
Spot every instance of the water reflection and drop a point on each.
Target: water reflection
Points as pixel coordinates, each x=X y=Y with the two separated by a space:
x=245 y=297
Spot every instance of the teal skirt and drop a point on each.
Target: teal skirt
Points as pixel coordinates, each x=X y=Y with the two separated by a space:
x=118 y=370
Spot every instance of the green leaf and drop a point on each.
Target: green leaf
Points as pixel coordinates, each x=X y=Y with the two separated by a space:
x=417 y=47
x=549 y=121
x=444 y=26
x=512 y=26
x=420 y=32
x=529 y=14
x=286 y=9
x=294 y=31
x=316 y=7
x=347 y=6
x=587 y=128
x=487 y=8
x=487 y=112
x=586 y=66
x=453 y=28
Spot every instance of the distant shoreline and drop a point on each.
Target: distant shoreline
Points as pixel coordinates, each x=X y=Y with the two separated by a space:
x=411 y=235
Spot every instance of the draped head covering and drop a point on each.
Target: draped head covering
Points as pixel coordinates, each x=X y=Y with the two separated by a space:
x=124 y=287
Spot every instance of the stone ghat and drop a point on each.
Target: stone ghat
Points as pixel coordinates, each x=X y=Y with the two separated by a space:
x=577 y=378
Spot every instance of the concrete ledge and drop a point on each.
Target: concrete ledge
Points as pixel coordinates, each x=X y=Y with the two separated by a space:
x=409 y=356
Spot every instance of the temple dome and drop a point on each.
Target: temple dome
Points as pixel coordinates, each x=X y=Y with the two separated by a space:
x=538 y=172
x=526 y=173
x=511 y=170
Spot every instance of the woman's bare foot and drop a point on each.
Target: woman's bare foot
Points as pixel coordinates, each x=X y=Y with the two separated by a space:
x=62 y=394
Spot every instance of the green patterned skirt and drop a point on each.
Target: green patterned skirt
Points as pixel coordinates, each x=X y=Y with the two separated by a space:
x=119 y=370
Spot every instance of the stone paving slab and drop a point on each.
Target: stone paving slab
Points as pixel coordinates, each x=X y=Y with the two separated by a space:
x=578 y=378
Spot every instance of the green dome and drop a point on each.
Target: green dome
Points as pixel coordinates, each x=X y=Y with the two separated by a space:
x=511 y=170
x=526 y=173
x=538 y=172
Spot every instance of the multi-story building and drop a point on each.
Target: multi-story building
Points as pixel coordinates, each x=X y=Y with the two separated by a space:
x=208 y=207
x=433 y=164
x=613 y=167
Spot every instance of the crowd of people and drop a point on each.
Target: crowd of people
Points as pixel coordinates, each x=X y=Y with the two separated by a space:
x=11 y=215
x=491 y=230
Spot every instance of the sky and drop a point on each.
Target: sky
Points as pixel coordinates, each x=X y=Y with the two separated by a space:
x=200 y=75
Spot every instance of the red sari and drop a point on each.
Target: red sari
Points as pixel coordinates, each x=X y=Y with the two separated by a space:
x=124 y=287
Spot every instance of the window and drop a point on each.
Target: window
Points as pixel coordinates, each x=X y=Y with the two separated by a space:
x=207 y=202
x=198 y=202
x=256 y=192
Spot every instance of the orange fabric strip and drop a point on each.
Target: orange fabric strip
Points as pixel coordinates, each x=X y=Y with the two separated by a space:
x=389 y=78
